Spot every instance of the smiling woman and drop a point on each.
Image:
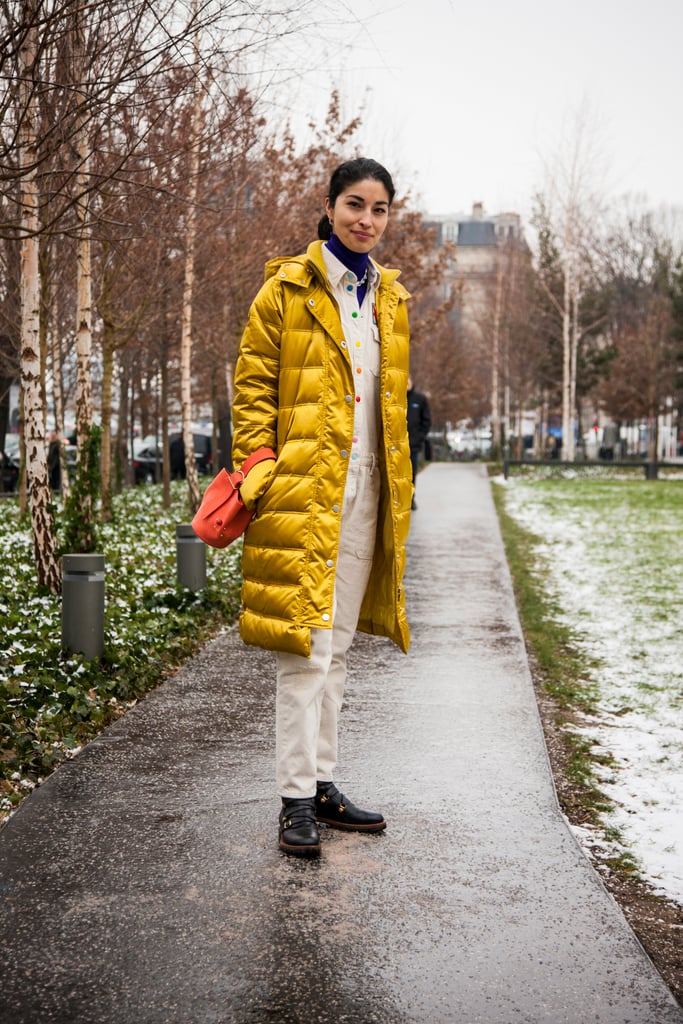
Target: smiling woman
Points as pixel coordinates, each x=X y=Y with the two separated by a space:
x=359 y=215
x=321 y=379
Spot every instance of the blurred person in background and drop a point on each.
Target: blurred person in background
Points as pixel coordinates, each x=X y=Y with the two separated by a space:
x=419 y=422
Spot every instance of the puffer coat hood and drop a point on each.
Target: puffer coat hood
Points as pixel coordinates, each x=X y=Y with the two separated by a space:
x=294 y=393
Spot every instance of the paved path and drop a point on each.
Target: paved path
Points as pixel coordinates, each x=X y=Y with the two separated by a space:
x=142 y=883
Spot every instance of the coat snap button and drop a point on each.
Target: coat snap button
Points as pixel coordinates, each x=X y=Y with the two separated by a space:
x=335 y=508
x=329 y=563
x=326 y=617
x=343 y=453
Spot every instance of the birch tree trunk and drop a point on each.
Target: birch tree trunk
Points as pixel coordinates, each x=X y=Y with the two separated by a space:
x=567 y=432
x=110 y=343
x=578 y=203
x=38 y=484
x=574 y=361
x=84 y=408
x=496 y=437
x=165 y=338
x=124 y=444
x=108 y=349
x=165 y=341
x=188 y=289
x=58 y=393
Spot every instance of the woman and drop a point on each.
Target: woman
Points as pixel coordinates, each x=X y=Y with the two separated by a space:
x=321 y=378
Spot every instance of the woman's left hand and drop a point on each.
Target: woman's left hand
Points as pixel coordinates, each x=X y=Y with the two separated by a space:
x=256 y=482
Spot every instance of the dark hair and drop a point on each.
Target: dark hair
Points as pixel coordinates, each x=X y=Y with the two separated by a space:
x=348 y=174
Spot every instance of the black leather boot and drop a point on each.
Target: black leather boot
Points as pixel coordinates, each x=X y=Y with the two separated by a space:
x=333 y=809
x=298 y=831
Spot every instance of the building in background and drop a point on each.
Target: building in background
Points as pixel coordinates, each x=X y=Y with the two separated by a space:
x=480 y=238
x=488 y=248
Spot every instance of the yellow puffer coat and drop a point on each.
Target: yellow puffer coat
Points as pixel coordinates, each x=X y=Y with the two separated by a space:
x=294 y=393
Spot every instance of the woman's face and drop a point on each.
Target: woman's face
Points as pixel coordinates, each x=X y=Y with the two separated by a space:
x=359 y=215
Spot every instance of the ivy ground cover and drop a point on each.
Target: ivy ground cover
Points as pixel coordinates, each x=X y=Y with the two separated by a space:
x=51 y=702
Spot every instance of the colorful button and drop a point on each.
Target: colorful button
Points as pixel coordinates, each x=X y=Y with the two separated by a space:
x=354 y=314
x=358 y=398
x=349 y=287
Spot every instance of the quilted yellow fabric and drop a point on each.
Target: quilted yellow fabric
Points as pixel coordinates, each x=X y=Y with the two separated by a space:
x=294 y=392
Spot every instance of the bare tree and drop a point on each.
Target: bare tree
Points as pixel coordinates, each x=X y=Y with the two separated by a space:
x=84 y=403
x=641 y=261
x=31 y=369
x=572 y=204
x=507 y=331
x=188 y=286
x=114 y=128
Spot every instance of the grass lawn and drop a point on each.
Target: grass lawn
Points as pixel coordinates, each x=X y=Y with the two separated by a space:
x=598 y=570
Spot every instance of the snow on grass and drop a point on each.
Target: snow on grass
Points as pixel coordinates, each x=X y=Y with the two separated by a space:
x=614 y=550
x=51 y=702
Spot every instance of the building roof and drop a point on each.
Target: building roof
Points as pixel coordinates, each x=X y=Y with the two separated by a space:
x=476 y=232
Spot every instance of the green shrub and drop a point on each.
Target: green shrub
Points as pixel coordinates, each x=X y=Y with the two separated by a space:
x=52 y=702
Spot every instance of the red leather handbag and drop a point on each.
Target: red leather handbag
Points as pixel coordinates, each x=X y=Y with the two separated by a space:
x=222 y=516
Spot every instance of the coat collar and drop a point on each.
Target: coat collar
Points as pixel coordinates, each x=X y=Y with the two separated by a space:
x=300 y=270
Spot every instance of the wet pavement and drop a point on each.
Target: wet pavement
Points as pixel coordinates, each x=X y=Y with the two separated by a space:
x=142 y=884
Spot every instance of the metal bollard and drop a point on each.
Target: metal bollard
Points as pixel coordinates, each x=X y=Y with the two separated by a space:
x=191 y=555
x=83 y=604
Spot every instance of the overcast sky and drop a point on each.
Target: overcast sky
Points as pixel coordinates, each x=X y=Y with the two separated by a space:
x=465 y=101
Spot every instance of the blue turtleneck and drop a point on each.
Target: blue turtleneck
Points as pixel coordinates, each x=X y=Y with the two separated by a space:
x=356 y=262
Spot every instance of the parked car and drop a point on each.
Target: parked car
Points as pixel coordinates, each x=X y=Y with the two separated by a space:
x=147 y=458
x=11 y=455
x=10 y=473
x=203 y=455
x=10 y=463
x=147 y=463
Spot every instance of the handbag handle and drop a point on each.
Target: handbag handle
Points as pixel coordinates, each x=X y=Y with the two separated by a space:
x=260 y=455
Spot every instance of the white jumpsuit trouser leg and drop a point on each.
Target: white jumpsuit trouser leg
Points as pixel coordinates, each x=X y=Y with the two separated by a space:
x=310 y=690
